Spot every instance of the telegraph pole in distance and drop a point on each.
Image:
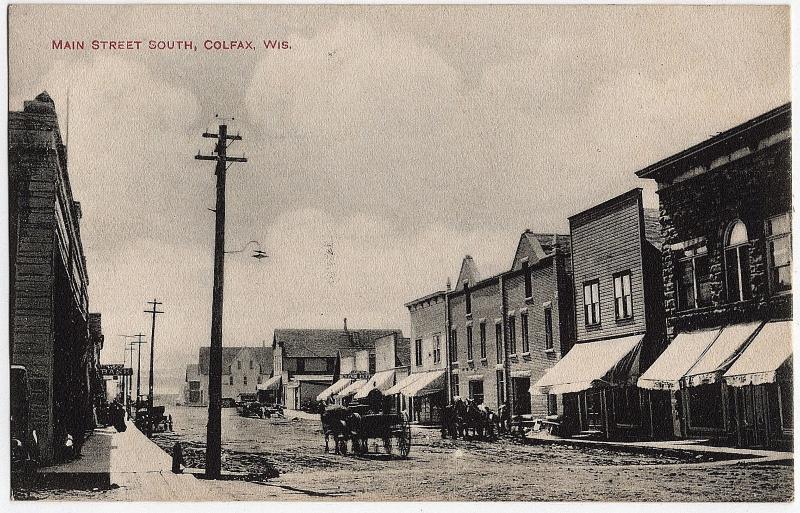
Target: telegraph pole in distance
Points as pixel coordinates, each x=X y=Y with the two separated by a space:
x=214 y=427
x=139 y=369
x=150 y=380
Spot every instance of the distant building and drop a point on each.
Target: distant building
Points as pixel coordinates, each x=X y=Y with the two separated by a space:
x=52 y=332
x=306 y=359
x=726 y=207
x=243 y=370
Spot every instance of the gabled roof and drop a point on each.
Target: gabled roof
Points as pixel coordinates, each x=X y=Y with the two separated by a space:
x=262 y=355
x=536 y=246
x=325 y=343
x=469 y=273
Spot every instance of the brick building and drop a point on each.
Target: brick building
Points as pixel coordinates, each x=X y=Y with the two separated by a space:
x=725 y=208
x=51 y=332
x=503 y=332
x=616 y=262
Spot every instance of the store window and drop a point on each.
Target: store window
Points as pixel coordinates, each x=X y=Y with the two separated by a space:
x=476 y=391
x=779 y=250
x=591 y=303
x=737 y=263
x=552 y=404
x=705 y=406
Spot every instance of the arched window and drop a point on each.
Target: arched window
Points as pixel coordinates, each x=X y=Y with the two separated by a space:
x=737 y=263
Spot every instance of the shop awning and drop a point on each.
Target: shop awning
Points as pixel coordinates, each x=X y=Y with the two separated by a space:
x=592 y=365
x=352 y=388
x=719 y=357
x=667 y=371
x=428 y=383
x=272 y=383
x=767 y=359
x=380 y=381
x=334 y=389
x=396 y=389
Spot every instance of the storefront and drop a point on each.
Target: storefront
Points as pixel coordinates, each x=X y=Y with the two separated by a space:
x=422 y=395
x=601 y=378
x=329 y=394
x=268 y=392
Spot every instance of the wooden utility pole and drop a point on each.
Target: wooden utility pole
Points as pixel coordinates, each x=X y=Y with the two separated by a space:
x=214 y=426
x=139 y=369
x=150 y=377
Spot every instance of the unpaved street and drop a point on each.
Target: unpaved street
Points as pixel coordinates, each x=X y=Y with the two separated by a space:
x=439 y=469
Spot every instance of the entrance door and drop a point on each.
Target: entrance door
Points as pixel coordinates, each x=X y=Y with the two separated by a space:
x=522 y=396
x=753 y=415
x=593 y=409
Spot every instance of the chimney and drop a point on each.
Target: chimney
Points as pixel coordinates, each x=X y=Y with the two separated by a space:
x=345 y=324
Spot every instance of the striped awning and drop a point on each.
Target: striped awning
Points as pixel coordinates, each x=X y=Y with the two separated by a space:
x=667 y=371
x=767 y=359
x=428 y=383
x=271 y=384
x=380 y=381
x=352 y=388
x=398 y=388
x=720 y=356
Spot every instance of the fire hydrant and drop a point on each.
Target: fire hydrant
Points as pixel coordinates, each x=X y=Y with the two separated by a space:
x=177 y=458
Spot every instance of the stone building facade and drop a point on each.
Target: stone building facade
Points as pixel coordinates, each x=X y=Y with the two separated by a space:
x=725 y=211
x=50 y=319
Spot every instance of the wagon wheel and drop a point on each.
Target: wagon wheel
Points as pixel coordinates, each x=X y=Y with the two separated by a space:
x=342 y=441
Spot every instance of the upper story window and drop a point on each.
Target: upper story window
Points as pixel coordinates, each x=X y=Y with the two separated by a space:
x=251 y=364
x=469 y=342
x=467 y=298
x=528 y=287
x=512 y=334
x=418 y=352
x=482 y=335
x=526 y=346
x=453 y=345
x=230 y=380
x=779 y=251
x=244 y=380
x=591 y=302
x=623 y=300
x=437 y=349
x=737 y=263
x=548 y=328
x=498 y=342
x=239 y=364
x=694 y=282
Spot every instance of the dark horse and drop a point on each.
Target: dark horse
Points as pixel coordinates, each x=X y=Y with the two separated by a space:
x=453 y=416
x=337 y=423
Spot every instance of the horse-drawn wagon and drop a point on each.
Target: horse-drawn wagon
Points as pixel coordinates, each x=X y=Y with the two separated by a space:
x=348 y=426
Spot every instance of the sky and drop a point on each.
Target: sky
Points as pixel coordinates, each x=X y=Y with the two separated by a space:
x=382 y=147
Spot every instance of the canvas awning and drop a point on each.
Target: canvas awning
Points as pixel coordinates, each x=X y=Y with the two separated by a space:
x=352 y=388
x=592 y=365
x=428 y=383
x=767 y=359
x=719 y=357
x=667 y=371
x=272 y=383
x=380 y=381
x=334 y=389
x=396 y=389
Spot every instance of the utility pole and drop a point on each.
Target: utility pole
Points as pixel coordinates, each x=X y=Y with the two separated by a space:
x=214 y=426
x=126 y=387
x=150 y=380
x=139 y=369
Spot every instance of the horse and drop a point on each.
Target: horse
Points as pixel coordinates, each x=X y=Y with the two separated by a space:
x=504 y=419
x=453 y=418
x=475 y=420
x=335 y=423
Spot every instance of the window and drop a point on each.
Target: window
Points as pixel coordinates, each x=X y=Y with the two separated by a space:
x=737 y=263
x=694 y=283
x=251 y=364
x=779 y=251
x=483 y=340
x=467 y=298
x=230 y=380
x=501 y=387
x=548 y=328
x=229 y=369
x=552 y=404
x=239 y=364
x=591 y=302
x=301 y=365
x=453 y=345
x=244 y=380
x=526 y=347
x=512 y=334
x=623 y=301
x=418 y=352
x=454 y=385
x=437 y=349
x=476 y=391
x=526 y=272
x=498 y=341
x=469 y=342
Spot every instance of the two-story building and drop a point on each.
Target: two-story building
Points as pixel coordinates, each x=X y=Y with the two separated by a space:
x=616 y=262
x=244 y=370
x=725 y=207
x=306 y=359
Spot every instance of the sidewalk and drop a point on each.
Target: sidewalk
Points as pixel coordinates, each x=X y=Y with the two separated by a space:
x=728 y=455
x=130 y=468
